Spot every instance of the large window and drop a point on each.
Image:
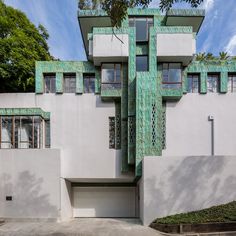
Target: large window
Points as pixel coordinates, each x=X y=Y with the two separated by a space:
x=50 y=83
x=171 y=75
x=213 y=83
x=232 y=83
x=142 y=25
x=111 y=76
x=141 y=63
x=89 y=83
x=21 y=132
x=193 y=83
x=70 y=83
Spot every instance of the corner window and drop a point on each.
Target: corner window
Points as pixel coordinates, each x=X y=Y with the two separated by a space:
x=50 y=83
x=213 y=83
x=21 y=132
x=69 y=83
x=89 y=83
x=142 y=25
x=193 y=81
x=141 y=63
x=171 y=75
x=111 y=76
x=232 y=82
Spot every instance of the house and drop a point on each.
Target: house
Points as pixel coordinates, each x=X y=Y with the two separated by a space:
x=141 y=129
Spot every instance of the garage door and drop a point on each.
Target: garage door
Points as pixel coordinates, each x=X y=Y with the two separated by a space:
x=104 y=201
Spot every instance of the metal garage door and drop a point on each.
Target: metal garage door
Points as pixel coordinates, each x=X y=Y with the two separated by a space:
x=104 y=201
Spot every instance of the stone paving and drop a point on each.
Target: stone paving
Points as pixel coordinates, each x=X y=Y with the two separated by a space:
x=79 y=227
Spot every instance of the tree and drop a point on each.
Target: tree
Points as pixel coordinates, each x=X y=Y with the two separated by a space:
x=117 y=9
x=21 y=44
x=224 y=56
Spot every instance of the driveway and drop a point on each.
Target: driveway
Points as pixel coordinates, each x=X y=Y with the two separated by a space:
x=79 y=227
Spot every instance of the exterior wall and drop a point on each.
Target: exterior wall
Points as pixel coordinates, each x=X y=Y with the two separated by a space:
x=188 y=130
x=80 y=129
x=110 y=46
x=32 y=178
x=66 y=200
x=175 y=45
x=181 y=184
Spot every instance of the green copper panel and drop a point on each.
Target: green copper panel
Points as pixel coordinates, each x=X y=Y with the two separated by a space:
x=59 y=82
x=223 y=82
x=60 y=67
x=203 y=82
x=24 y=112
x=186 y=12
x=175 y=30
x=79 y=83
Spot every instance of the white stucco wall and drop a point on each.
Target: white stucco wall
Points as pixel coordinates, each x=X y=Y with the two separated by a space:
x=188 y=130
x=175 y=45
x=181 y=184
x=32 y=178
x=110 y=45
x=80 y=129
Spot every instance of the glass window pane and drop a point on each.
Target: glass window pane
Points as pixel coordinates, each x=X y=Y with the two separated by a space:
x=118 y=73
x=69 y=83
x=37 y=132
x=108 y=73
x=141 y=63
x=190 y=84
x=50 y=83
x=86 y=84
x=213 y=83
x=26 y=132
x=6 y=132
x=47 y=134
x=17 y=132
x=92 y=85
x=141 y=29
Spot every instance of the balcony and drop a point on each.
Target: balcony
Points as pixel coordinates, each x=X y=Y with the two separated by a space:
x=176 y=44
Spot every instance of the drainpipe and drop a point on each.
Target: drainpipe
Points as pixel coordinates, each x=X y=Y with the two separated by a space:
x=211 y=119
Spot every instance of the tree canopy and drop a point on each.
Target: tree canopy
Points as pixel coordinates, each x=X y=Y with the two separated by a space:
x=117 y=9
x=21 y=44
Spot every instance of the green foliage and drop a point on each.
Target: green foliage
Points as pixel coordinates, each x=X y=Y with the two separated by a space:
x=221 y=213
x=223 y=56
x=117 y=9
x=21 y=44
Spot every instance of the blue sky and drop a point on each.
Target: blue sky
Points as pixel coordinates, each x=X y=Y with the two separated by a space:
x=218 y=32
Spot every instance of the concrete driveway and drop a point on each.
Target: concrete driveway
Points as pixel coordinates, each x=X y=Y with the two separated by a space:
x=79 y=227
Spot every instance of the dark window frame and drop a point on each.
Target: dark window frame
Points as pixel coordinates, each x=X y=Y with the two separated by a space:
x=148 y=25
x=177 y=83
x=90 y=77
x=69 y=76
x=15 y=142
x=231 y=81
x=105 y=85
x=198 y=82
x=50 y=76
x=216 y=75
x=139 y=56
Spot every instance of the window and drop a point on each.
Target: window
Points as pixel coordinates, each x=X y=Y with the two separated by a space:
x=89 y=83
x=111 y=76
x=232 y=83
x=49 y=83
x=171 y=75
x=21 y=132
x=193 y=83
x=141 y=63
x=213 y=83
x=70 y=83
x=142 y=25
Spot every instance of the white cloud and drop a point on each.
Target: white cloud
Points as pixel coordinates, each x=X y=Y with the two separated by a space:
x=208 y=5
x=231 y=46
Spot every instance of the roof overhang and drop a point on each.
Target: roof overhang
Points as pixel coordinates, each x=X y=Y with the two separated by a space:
x=185 y=17
x=89 y=19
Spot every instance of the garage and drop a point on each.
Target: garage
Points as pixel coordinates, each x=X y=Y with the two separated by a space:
x=104 y=202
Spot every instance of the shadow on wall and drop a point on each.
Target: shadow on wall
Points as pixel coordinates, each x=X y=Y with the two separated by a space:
x=28 y=199
x=195 y=183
